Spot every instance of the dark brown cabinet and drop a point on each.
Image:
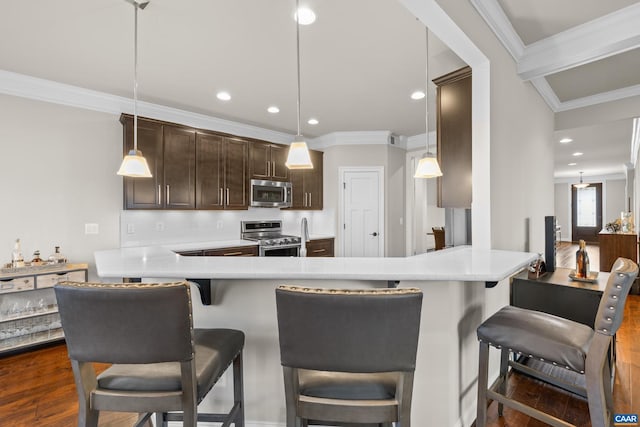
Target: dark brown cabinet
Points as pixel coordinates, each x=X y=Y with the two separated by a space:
x=232 y=251
x=614 y=245
x=320 y=248
x=306 y=184
x=267 y=161
x=454 y=138
x=222 y=172
x=178 y=190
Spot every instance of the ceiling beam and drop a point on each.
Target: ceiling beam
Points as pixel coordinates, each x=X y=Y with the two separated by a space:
x=600 y=38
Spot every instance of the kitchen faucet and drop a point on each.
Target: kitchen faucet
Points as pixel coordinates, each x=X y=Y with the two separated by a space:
x=304 y=236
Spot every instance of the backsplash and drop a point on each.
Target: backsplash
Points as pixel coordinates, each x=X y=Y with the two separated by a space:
x=142 y=227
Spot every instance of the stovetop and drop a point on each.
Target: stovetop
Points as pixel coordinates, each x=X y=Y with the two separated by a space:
x=267 y=233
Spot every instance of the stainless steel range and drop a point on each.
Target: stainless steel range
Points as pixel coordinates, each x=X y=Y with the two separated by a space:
x=271 y=241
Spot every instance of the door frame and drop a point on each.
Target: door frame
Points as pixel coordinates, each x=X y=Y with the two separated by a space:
x=342 y=171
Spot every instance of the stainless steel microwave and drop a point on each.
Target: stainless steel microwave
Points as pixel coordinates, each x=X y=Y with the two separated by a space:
x=270 y=194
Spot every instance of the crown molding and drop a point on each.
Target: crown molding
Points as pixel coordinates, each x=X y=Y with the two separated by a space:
x=63 y=94
x=334 y=139
x=600 y=38
x=497 y=20
x=635 y=143
x=547 y=93
x=600 y=98
x=417 y=142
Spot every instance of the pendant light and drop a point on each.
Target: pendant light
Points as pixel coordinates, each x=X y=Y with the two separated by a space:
x=298 y=157
x=581 y=184
x=134 y=165
x=428 y=165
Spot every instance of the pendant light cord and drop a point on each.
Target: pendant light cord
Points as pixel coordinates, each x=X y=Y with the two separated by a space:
x=298 y=59
x=426 y=90
x=135 y=79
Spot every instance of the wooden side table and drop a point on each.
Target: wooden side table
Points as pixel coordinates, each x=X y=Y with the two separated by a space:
x=614 y=245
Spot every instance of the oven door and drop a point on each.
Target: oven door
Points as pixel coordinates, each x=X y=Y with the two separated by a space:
x=288 y=250
x=270 y=194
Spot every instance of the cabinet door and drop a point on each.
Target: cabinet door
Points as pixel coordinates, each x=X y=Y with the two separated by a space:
x=320 y=248
x=143 y=193
x=298 y=197
x=260 y=160
x=313 y=181
x=236 y=174
x=209 y=171
x=179 y=168
x=279 y=171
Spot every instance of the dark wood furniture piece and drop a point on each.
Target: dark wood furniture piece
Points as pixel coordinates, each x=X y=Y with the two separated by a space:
x=230 y=251
x=614 y=245
x=267 y=161
x=453 y=107
x=306 y=185
x=207 y=170
x=555 y=293
x=321 y=248
x=438 y=237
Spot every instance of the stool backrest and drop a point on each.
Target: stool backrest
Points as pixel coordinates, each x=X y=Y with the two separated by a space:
x=611 y=308
x=349 y=331
x=126 y=322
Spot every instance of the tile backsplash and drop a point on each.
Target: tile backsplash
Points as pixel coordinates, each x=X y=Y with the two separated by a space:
x=142 y=227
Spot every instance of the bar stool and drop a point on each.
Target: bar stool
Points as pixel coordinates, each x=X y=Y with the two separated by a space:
x=559 y=342
x=348 y=356
x=160 y=362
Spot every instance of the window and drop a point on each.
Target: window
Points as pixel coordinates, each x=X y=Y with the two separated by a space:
x=586 y=206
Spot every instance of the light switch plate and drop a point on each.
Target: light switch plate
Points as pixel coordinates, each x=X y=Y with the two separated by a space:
x=91 y=229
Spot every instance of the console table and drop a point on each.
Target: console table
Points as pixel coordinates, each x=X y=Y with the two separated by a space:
x=614 y=245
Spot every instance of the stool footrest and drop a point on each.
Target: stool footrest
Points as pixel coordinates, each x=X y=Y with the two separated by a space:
x=528 y=410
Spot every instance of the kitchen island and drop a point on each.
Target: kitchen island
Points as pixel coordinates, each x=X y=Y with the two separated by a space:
x=456 y=301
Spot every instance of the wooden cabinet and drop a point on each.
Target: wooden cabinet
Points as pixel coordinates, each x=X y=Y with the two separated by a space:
x=222 y=172
x=614 y=245
x=267 y=161
x=454 y=138
x=306 y=185
x=170 y=153
x=321 y=248
x=232 y=251
x=28 y=310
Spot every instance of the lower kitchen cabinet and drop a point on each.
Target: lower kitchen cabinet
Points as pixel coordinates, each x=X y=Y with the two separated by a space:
x=320 y=248
x=233 y=251
x=28 y=308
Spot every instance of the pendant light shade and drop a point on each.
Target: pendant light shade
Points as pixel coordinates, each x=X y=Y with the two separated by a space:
x=134 y=165
x=298 y=157
x=581 y=184
x=428 y=166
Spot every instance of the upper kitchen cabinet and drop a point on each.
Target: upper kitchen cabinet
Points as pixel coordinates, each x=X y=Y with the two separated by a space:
x=267 y=161
x=170 y=153
x=454 y=138
x=306 y=184
x=222 y=173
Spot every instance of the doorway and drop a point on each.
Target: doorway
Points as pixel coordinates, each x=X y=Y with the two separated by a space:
x=362 y=211
x=586 y=213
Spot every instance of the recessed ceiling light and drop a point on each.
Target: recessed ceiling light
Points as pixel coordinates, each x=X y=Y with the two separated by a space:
x=223 y=96
x=417 y=95
x=577 y=153
x=273 y=109
x=566 y=140
x=313 y=121
x=571 y=164
x=306 y=16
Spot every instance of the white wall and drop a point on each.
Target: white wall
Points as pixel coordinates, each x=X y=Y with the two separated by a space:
x=616 y=200
x=562 y=210
x=57 y=173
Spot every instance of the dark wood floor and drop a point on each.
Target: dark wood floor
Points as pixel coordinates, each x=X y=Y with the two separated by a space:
x=37 y=389
x=565 y=405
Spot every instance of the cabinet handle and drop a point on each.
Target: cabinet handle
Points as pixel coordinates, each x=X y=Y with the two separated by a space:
x=221 y=197
x=160 y=194
x=168 y=198
x=227 y=196
x=268 y=167
x=310 y=200
x=232 y=254
x=274 y=169
x=316 y=251
x=305 y=200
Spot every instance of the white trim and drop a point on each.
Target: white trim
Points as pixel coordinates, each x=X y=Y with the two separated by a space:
x=497 y=20
x=342 y=170
x=547 y=93
x=438 y=22
x=417 y=142
x=635 y=142
x=59 y=93
x=600 y=98
x=334 y=139
x=600 y=38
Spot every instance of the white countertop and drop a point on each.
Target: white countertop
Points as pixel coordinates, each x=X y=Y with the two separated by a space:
x=462 y=263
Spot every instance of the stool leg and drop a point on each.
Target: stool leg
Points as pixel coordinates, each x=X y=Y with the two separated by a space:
x=483 y=379
x=238 y=389
x=161 y=420
x=596 y=389
x=504 y=366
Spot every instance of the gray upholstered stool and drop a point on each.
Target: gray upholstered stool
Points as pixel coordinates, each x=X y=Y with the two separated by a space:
x=559 y=342
x=348 y=356
x=160 y=362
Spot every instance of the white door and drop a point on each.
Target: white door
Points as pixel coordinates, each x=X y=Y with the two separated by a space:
x=362 y=212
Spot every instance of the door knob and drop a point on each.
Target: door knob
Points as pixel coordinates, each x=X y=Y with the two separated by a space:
x=374 y=234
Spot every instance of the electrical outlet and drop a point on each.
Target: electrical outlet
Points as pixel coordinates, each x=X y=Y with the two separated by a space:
x=159 y=226
x=219 y=224
x=131 y=229
x=91 y=229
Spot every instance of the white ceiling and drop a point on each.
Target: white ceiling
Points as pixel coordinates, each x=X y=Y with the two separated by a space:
x=360 y=60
